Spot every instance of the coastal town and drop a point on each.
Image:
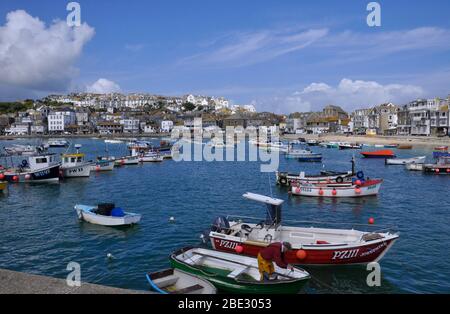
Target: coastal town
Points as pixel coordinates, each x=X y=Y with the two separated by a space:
x=147 y=114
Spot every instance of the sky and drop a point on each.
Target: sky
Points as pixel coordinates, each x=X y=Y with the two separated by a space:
x=281 y=56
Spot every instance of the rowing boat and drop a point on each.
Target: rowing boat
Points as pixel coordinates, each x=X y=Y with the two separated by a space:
x=405 y=161
x=175 y=281
x=106 y=215
x=236 y=273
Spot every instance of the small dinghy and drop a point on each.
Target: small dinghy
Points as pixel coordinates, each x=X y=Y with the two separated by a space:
x=106 y=215
x=236 y=273
x=406 y=161
x=175 y=281
x=386 y=153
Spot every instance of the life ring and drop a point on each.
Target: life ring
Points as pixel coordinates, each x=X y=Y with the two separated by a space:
x=339 y=179
x=24 y=163
x=360 y=175
x=283 y=181
x=268 y=238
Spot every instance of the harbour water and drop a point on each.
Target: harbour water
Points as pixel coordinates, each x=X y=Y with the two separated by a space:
x=40 y=233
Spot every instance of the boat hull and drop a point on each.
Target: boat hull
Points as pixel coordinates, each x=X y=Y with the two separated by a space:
x=323 y=255
x=76 y=171
x=369 y=188
x=103 y=166
x=287 y=179
x=416 y=160
x=50 y=174
x=84 y=213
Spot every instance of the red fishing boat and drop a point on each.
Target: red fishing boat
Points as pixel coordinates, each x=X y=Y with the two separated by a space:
x=311 y=245
x=385 y=153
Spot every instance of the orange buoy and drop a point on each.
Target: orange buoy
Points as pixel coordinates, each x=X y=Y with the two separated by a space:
x=2 y=176
x=437 y=170
x=448 y=170
x=15 y=178
x=297 y=190
x=320 y=192
x=358 y=182
x=371 y=221
x=301 y=254
x=239 y=249
x=97 y=168
x=358 y=191
x=334 y=192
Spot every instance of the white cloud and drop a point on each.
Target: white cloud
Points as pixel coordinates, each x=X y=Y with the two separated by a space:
x=349 y=94
x=36 y=57
x=103 y=86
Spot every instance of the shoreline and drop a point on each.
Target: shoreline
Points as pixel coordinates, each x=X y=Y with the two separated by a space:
x=416 y=141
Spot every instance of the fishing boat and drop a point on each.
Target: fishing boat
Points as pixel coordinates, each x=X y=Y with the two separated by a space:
x=404 y=146
x=311 y=245
x=113 y=141
x=126 y=161
x=106 y=215
x=58 y=143
x=175 y=281
x=405 y=161
x=440 y=151
x=441 y=148
x=287 y=179
x=74 y=165
x=386 y=153
x=38 y=168
x=312 y=143
x=357 y=188
x=3 y=185
x=343 y=146
x=442 y=166
x=102 y=165
x=25 y=150
x=151 y=157
x=414 y=167
x=332 y=145
x=234 y=273
x=303 y=155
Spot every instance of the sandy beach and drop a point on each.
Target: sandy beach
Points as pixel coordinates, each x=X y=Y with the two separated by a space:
x=428 y=142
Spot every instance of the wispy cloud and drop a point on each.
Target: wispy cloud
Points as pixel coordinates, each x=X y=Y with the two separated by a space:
x=245 y=48
x=134 y=47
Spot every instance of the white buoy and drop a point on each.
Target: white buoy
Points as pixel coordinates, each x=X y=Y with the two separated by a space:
x=172 y=219
x=109 y=256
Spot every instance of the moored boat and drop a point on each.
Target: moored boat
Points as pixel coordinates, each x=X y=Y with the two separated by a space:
x=126 y=161
x=312 y=143
x=442 y=166
x=441 y=148
x=311 y=245
x=38 y=168
x=151 y=157
x=405 y=161
x=343 y=146
x=391 y=146
x=106 y=215
x=386 y=153
x=414 y=167
x=58 y=143
x=74 y=165
x=347 y=189
x=404 y=146
x=234 y=273
x=102 y=165
x=175 y=281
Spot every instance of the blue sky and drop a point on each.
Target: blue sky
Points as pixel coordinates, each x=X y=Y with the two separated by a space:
x=283 y=56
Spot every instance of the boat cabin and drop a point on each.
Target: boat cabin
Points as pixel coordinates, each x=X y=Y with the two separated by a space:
x=72 y=159
x=41 y=161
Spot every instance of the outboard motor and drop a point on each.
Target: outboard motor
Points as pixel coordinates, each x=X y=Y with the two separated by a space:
x=220 y=225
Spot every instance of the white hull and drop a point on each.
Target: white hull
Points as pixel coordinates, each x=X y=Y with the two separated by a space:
x=105 y=166
x=406 y=161
x=84 y=214
x=414 y=167
x=336 y=190
x=76 y=171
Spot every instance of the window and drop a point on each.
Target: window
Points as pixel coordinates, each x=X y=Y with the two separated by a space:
x=41 y=160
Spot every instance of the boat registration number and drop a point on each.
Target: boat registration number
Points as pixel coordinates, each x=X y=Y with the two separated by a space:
x=42 y=173
x=345 y=254
x=227 y=244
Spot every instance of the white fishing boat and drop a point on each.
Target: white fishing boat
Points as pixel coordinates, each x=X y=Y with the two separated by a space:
x=113 y=141
x=126 y=161
x=405 y=161
x=175 y=281
x=106 y=215
x=102 y=165
x=74 y=165
x=151 y=157
x=57 y=143
x=414 y=167
x=334 y=190
x=312 y=143
x=25 y=150
x=312 y=243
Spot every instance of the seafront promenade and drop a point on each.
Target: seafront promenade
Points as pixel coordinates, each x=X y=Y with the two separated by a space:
x=13 y=282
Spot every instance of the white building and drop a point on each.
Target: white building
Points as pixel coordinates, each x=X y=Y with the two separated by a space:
x=166 y=126
x=130 y=125
x=57 y=121
x=18 y=129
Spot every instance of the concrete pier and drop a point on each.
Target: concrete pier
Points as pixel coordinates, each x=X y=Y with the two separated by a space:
x=12 y=282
